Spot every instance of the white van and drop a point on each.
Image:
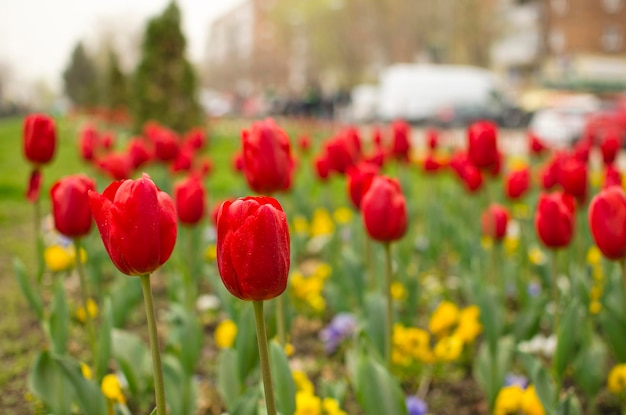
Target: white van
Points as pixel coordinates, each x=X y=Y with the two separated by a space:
x=442 y=94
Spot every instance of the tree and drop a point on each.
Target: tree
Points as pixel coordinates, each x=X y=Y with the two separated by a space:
x=81 y=78
x=116 y=94
x=165 y=86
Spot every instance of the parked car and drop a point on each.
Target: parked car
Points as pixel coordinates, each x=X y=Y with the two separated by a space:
x=447 y=95
x=562 y=124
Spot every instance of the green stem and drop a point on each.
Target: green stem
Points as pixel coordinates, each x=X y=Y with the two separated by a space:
x=190 y=279
x=389 y=316
x=159 y=388
x=622 y=265
x=38 y=239
x=555 y=290
x=280 y=320
x=264 y=357
x=85 y=297
x=369 y=266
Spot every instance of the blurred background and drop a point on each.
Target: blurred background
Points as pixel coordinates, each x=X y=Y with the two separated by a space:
x=546 y=64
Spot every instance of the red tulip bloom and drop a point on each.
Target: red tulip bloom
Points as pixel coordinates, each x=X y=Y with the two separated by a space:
x=469 y=174
x=253 y=251
x=610 y=147
x=482 y=148
x=383 y=208
x=550 y=171
x=494 y=220
x=573 y=178
x=612 y=176
x=359 y=179
x=342 y=152
x=607 y=220
x=190 y=198
x=139 y=152
x=195 y=139
x=89 y=142
x=401 y=145
x=322 y=169
x=267 y=160
x=237 y=161
x=118 y=166
x=39 y=138
x=108 y=140
x=432 y=138
x=70 y=205
x=432 y=164
x=137 y=223
x=536 y=146
x=554 y=219
x=166 y=144
x=304 y=143
x=582 y=149
x=517 y=183
x=183 y=160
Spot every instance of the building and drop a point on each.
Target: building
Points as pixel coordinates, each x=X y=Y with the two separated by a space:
x=585 y=44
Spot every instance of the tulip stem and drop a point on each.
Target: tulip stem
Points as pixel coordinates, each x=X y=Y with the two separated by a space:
x=389 y=316
x=159 y=389
x=38 y=241
x=622 y=265
x=371 y=276
x=555 y=290
x=261 y=337
x=85 y=297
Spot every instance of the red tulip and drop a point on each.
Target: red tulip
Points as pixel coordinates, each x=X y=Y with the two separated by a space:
x=482 y=148
x=342 y=151
x=237 y=161
x=469 y=174
x=517 y=183
x=118 y=166
x=554 y=219
x=253 y=251
x=612 y=176
x=166 y=144
x=322 y=168
x=433 y=164
x=190 y=198
x=359 y=179
x=195 y=139
x=377 y=158
x=582 y=149
x=304 y=143
x=139 y=152
x=39 y=138
x=137 y=223
x=108 y=140
x=88 y=142
x=383 y=208
x=268 y=164
x=432 y=138
x=70 y=205
x=610 y=147
x=494 y=220
x=401 y=145
x=607 y=220
x=573 y=178
x=535 y=144
x=183 y=160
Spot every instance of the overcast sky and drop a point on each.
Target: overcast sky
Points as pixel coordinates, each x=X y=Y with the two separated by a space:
x=37 y=36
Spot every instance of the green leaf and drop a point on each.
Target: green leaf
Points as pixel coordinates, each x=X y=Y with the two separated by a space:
x=567 y=339
x=59 y=319
x=375 y=322
x=179 y=390
x=528 y=320
x=284 y=385
x=570 y=405
x=614 y=327
x=246 y=343
x=33 y=297
x=134 y=359
x=249 y=403
x=88 y=394
x=228 y=382
x=46 y=381
x=589 y=367
x=490 y=372
x=544 y=386
x=125 y=296
x=104 y=340
x=185 y=337
x=490 y=317
x=376 y=390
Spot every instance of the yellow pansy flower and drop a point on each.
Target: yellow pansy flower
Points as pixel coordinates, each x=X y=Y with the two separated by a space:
x=225 y=334
x=343 y=215
x=58 y=258
x=111 y=389
x=443 y=318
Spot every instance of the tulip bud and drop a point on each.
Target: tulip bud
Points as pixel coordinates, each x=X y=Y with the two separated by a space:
x=70 y=205
x=573 y=178
x=359 y=179
x=39 y=138
x=607 y=221
x=517 y=183
x=137 y=223
x=253 y=251
x=494 y=220
x=190 y=198
x=383 y=208
x=482 y=147
x=268 y=164
x=401 y=145
x=554 y=219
